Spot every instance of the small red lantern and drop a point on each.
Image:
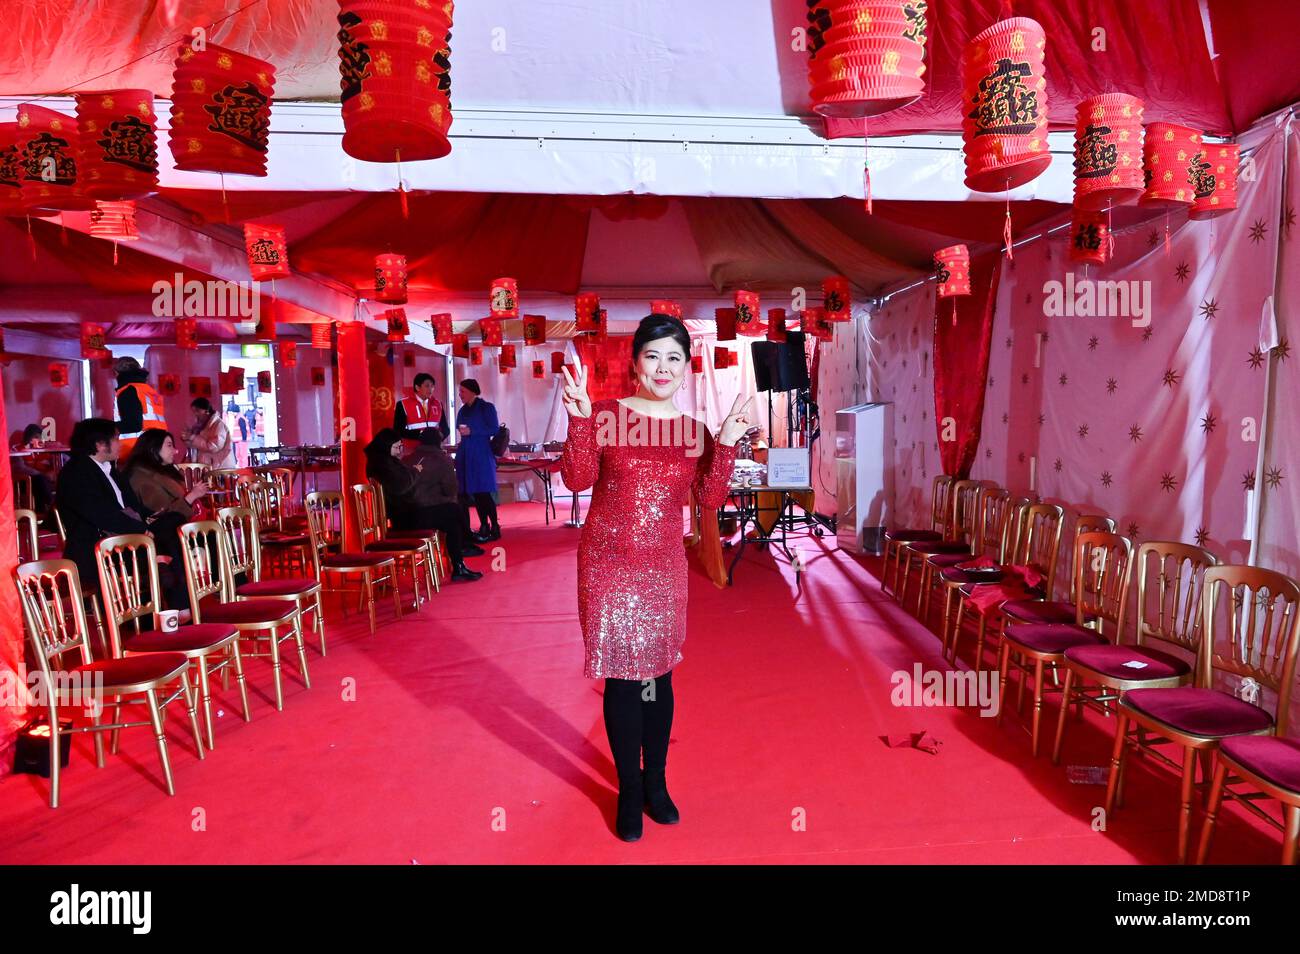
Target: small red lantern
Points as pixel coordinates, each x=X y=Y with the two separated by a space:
x=725 y=320
x=662 y=306
x=953 y=270
x=836 y=299
x=395 y=67
x=697 y=363
x=221 y=111
x=93 y=345
x=507 y=356
x=539 y=369
x=586 y=311
x=490 y=329
x=318 y=377
x=1215 y=180
x=748 y=315
x=169 y=384
x=602 y=323
x=49 y=143
x=231 y=380
x=119 y=143
x=1005 y=129
x=476 y=355
x=264 y=382
x=441 y=328
x=557 y=362
x=1089 y=237
x=59 y=374
x=813 y=323
x=866 y=56
x=268 y=254
x=1107 y=157
x=390 y=278
x=534 y=329
x=460 y=346
x=265 y=327
x=503 y=299
x=398 y=328
x=114 y=222
x=289 y=354
x=322 y=335
x=200 y=387
x=408 y=359
x=1169 y=154
x=721 y=357
x=187 y=334
x=776 y=324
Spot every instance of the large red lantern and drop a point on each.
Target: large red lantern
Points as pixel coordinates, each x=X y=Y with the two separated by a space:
x=953 y=270
x=221 y=111
x=866 y=56
x=1089 y=237
x=441 y=328
x=322 y=335
x=268 y=254
x=534 y=329
x=49 y=144
x=836 y=299
x=1107 y=151
x=119 y=143
x=503 y=299
x=11 y=170
x=1005 y=123
x=1169 y=154
x=395 y=64
x=390 y=278
x=1215 y=180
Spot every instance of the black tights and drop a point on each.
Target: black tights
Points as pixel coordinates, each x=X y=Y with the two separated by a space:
x=487 y=511
x=638 y=716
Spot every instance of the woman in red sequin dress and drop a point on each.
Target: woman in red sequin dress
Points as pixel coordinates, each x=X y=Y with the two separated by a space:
x=643 y=457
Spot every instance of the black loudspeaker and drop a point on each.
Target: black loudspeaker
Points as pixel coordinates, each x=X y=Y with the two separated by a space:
x=780 y=365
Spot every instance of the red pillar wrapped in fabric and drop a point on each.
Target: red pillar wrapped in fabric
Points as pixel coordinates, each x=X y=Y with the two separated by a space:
x=866 y=56
x=1215 y=180
x=267 y=251
x=1107 y=151
x=221 y=111
x=395 y=68
x=961 y=367
x=1005 y=124
x=1168 y=155
x=49 y=143
x=354 y=415
x=12 y=712
x=1089 y=237
x=119 y=143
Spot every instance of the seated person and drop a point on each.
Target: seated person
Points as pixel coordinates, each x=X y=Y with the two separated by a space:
x=38 y=467
x=156 y=480
x=436 y=489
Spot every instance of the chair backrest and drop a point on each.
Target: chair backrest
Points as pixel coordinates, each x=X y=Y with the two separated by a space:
x=1103 y=568
x=963 y=509
x=994 y=510
x=1086 y=523
x=381 y=504
x=1013 y=527
x=1252 y=630
x=243 y=543
x=363 y=498
x=54 y=612
x=283 y=478
x=24 y=495
x=128 y=580
x=29 y=547
x=1170 y=589
x=325 y=523
x=261 y=497
x=207 y=563
x=1040 y=541
x=193 y=473
x=939 y=503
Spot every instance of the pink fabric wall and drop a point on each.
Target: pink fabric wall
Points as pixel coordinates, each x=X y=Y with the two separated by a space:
x=30 y=398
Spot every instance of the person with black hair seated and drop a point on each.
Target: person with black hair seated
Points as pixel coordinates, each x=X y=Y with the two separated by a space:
x=38 y=467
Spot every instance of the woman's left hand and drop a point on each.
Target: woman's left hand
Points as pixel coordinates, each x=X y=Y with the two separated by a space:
x=737 y=423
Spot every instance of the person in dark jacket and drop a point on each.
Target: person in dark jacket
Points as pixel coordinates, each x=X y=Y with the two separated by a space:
x=476 y=465
x=438 y=497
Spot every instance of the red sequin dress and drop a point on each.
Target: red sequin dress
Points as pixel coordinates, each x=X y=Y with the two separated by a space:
x=632 y=561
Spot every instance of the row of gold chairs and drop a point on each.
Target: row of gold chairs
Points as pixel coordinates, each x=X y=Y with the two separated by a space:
x=1198 y=626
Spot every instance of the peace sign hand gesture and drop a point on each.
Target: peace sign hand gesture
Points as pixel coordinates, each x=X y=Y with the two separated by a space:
x=737 y=423
x=575 y=398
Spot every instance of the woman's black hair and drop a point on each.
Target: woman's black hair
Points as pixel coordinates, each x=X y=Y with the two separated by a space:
x=87 y=435
x=470 y=384
x=31 y=432
x=656 y=326
x=382 y=444
x=147 y=454
x=203 y=404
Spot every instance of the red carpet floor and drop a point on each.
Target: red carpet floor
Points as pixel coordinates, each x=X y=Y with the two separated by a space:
x=473 y=737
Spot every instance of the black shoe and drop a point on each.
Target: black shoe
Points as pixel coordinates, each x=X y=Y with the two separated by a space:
x=471 y=549
x=494 y=534
x=628 y=822
x=480 y=537
x=462 y=572
x=657 y=803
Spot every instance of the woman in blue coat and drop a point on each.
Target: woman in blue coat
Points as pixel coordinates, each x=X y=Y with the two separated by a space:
x=476 y=465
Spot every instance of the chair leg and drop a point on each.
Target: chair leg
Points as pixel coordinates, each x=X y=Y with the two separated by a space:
x=1212 y=812
x=905 y=564
x=191 y=709
x=394 y=581
x=275 y=668
x=979 y=643
x=319 y=616
x=55 y=746
x=116 y=734
x=1004 y=670
x=1061 y=719
x=205 y=694
x=922 y=608
x=1185 y=815
x=368 y=589
x=156 y=719
x=302 y=649
x=1038 y=705
x=1116 y=763
x=238 y=659
x=1291 y=836
x=947 y=617
x=950 y=650
x=884 y=567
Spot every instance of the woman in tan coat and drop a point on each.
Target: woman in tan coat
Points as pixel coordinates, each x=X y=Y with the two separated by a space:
x=152 y=473
x=209 y=437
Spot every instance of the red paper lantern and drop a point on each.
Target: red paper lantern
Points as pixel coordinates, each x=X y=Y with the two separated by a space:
x=59 y=374
x=697 y=363
x=268 y=254
x=114 y=222
x=725 y=321
x=953 y=270
x=390 y=278
x=318 y=377
x=441 y=328
x=93 y=346
x=322 y=335
x=748 y=314
x=866 y=56
x=200 y=387
x=264 y=381
x=557 y=362
x=836 y=299
x=460 y=346
x=490 y=329
x=395 y=64
x=663 y=306
x=534 y=329
x=265 y=327
x=1107 y=154
x=1089 y=237
x=187 y=334
x=169 y=384
x=11 y=170
x=539 y=369
x=408 y=359
x=49 y=144
x=503 y=299
x=507 y=356
x=1005 y=126
x=1215 y=180
x=398 y=328
x=776 y=324
x=119 y=143
x=289 y=354
x=231 y=380
x=586 y=311
x=1169 y=154
x=476 y=355
x=721 y=357
x=813 y=322
x=221 y=111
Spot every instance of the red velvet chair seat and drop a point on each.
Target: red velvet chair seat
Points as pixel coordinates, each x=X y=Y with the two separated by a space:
x=946 y=559
x=963 y=578
x=908 y=536
x=277 y=587
x=410 y=534
x=1277 y=760
x=1042 y=611
x=133 y=670
x=279 y=538
x=250 y=611
x=1202 y=712
x=397 y=546
x=1109 y=661
x=941 y=546
x=348 y=560
x=185 y=639
x=1051 y=638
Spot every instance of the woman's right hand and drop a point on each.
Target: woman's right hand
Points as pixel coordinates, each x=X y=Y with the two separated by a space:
x=575 y=398
x=198 y=491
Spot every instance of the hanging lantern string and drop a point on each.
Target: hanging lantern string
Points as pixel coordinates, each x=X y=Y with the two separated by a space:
x=401 y=186
x=225 y=206
x=954 y=311
x=1006 y=225
x=63 y=231
x=1168 y=242
x=31 y=239
x=1110 y=234
x=866 y=166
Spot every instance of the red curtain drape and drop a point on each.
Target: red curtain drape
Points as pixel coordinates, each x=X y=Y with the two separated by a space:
x=961 y=364
x=614 y=353
x=11 y=628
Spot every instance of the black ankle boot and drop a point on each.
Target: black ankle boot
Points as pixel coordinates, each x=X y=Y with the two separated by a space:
x=462 y=572
x=631 y=795
x=657 y=803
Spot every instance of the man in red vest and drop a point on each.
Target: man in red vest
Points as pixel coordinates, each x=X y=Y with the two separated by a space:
x=139 y=405
x=420 y=412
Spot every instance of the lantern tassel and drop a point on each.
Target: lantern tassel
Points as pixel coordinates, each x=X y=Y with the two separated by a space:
x=1110 y=236
x=1006 y=228
x=225 y=206
x=1168 y=241
x=866 y=167
x=63 y=231
x=401 y=186
x=954 y=312
x=115 y=252
x=31 y=239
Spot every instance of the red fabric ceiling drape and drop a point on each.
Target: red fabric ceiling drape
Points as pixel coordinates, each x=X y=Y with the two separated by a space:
x=961 y=364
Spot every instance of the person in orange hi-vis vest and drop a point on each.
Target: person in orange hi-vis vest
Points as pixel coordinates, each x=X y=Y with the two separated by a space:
x=420 y=412
x=139 y=405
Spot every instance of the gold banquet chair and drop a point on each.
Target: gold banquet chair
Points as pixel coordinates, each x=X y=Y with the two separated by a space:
x=433 y=537
x=1058 y=611
x=54 y=616
x=416 y=552
x=938 y=529
x=263 y=498
x=334 y=566
x=980 y=521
